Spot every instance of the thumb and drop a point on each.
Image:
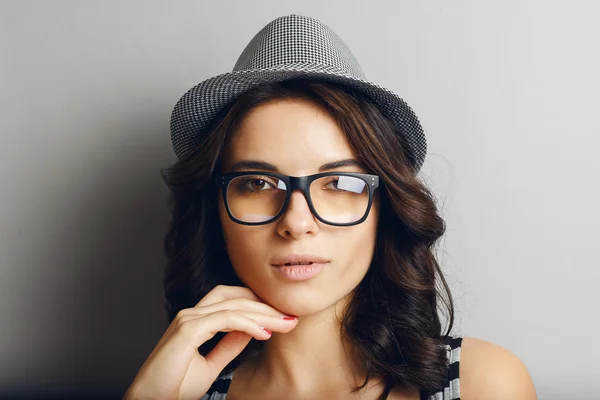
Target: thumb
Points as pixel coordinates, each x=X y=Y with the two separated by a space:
x=226 y=350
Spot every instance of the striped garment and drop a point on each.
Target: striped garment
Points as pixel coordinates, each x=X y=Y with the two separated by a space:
x=451 y=390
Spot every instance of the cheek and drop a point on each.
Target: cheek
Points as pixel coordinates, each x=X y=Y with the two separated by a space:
x=360 y=246
x=245 y=245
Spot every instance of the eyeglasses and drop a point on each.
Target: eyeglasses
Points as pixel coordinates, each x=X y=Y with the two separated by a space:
x=334 y=198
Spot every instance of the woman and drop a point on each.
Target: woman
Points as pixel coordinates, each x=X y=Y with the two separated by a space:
x=300 y=252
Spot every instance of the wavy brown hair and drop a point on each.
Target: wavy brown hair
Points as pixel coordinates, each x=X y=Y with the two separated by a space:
x=392 y=320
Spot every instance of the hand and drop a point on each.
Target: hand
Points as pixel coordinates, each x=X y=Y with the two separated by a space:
x=176 y=370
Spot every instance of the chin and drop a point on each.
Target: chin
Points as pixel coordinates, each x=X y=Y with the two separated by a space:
x=300 y=303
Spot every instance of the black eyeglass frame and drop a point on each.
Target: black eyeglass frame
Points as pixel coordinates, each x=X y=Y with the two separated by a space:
x=293 y=183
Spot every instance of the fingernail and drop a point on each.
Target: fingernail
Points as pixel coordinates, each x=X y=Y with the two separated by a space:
x=290 y=318
x=266 y=330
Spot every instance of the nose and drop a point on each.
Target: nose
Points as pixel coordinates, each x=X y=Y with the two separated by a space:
x=297 y=220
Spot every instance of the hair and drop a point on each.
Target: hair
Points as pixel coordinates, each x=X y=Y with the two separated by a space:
x=391 y=320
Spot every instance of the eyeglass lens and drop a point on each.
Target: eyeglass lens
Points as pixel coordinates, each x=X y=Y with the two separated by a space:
x=336 y=198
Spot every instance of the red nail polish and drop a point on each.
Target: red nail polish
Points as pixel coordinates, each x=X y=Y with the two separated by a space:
x=289 y=318
x=267 y=331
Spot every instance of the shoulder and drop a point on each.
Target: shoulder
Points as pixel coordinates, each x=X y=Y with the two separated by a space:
x=491 y=372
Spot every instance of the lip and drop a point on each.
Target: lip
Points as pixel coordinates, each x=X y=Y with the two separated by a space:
x=299 y=272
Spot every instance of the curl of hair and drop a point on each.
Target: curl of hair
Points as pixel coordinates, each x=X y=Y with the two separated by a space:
x=391 y=321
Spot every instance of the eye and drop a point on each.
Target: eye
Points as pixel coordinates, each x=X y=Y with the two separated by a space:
x=345 y=184
x=257 y=183
x=332 y=183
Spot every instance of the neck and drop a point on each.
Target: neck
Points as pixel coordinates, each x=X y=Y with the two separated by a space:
x=310 y=359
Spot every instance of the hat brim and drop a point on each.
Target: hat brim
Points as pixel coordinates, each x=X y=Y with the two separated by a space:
x=198 y=106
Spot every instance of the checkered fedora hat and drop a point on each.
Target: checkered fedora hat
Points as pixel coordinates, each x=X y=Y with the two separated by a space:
x=289 y=47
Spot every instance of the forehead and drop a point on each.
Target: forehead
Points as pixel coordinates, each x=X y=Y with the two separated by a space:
x=294 y=134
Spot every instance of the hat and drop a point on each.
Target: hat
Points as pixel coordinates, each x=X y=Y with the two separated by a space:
x=289 y=47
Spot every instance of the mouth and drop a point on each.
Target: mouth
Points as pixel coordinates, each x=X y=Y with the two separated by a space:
x=298 y=267
x=299 y=259
x=296 y=263
x=299 y=272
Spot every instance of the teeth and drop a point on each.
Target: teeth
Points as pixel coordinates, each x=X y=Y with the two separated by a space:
x=299 y=263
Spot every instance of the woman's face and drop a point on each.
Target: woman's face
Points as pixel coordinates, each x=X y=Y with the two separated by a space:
x=297 y=137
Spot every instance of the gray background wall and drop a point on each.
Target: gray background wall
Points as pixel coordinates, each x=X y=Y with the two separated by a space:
x=507 y=91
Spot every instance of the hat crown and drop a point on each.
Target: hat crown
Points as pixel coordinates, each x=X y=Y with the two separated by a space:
x=296 y=39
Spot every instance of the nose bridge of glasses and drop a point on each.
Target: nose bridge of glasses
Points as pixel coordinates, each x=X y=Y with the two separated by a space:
x=302 y=184
x=299 y=183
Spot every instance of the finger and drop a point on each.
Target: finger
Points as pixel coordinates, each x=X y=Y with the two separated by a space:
x=195 y=332
x=239 y=304
x=224 y=292
x=271 y=322
x=234 y=304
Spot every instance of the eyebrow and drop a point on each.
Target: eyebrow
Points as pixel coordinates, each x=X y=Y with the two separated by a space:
x=265 y=166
